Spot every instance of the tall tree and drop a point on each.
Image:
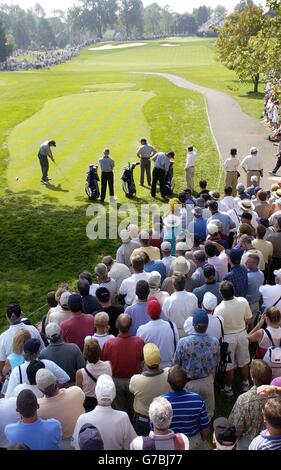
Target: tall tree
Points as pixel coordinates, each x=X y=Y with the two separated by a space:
x=131 y=16
x=185 y=24
x=239 y=45
x=219 y=13
x=3 y=42
x=202 y=14
x=243 y=4
x=167 y=20
x=94 y=15
x=152 y=18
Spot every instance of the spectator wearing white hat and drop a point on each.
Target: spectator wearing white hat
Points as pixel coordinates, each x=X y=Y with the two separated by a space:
x=124 y=252
x=214 y=235
x=134 y=233
x=182 y=266
x=114 y=426
x=247 y=206
x=161 y=438
x=151 y=383
x=215 y=325
x=57 y=403
x=63 y=313
x=252 y=165
x=167 y=258
x=116 y=271
x=180 y=305
x=152 y=251
x=154 y=282
x=66 y=355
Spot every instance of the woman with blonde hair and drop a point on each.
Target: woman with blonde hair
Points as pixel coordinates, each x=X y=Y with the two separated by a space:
x=86 y=378
x=16 y=357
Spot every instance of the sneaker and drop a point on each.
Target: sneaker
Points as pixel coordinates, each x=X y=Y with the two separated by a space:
x=113 y=199
x=44 y=182
x=245 y=387
x=227 y=391
x=272 y=172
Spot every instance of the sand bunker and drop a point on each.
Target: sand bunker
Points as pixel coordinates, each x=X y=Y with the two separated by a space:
x=169 y=45
x=107 y=47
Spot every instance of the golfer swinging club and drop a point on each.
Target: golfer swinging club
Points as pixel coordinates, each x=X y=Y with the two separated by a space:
x=43 y=154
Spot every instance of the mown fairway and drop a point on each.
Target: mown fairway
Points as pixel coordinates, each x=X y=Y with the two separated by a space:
x=85 y=105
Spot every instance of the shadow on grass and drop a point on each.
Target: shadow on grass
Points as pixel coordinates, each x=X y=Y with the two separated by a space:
x=43 y=243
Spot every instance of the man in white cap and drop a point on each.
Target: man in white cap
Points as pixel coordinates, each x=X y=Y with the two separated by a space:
x=215 y=325
x=116 y=271
x=114 y=426
x=253 y=166
x=62 y=312
x=124 y=252
x=167 y=257
x=57 y=404
x=180 y=305
x=182 y=266
x=154 y=282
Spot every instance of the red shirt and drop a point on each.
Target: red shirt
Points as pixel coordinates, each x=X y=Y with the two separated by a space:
x=125 y=354
x=76 y=328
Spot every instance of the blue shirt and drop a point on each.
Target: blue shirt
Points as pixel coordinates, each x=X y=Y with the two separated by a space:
x=189 y=412
x=266 y=442
x=156 y=266
x=255 y=280
x=239 y=277
x=199 y=227
x=43 y=434
x=202 y=290
x=198 y=354
x=224 y=219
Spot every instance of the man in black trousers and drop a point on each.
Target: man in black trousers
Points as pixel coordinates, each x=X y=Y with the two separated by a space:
x=106 y=166
x=43 y=154
x=160 y=170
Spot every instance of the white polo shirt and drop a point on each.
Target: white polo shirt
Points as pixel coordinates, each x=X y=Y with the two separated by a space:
x=128 y=286
x=270 y=295
x=179 y=307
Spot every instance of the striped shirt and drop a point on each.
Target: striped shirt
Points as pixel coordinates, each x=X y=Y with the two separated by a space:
x=189 y=413
x=266 y=442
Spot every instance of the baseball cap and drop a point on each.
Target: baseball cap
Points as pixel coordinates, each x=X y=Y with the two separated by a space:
x=181 y=265
x=125 y=236
x=234 y=255
x=212 y=229
x=105 y=390
x=264 y=221
x=75 y=302
x=225 y=432
x=64 y=298
x=277 y=273
x=151 y=354
x=200 y=317
x=209 y=301
x=52 y=330
x=89 y=438
x=44 y=379
x=197 y=211
x=215 y=195
x=102 y=294
x=154 y=309
x=53 y=142
x=181 y=246
x=32 y=346
x=166 y=246
x=154 y=279
x=144 y=235
x=254 y=150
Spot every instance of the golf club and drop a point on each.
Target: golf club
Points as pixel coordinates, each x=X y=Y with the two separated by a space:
x=61 y=172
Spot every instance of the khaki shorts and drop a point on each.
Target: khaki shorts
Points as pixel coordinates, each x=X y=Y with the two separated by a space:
x=238 y=345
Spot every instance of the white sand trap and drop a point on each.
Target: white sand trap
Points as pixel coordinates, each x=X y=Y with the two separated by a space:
x=107 y=47
x=169 y=45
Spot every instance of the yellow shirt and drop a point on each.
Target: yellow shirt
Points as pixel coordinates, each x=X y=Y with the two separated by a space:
x=265 y=247
x=234 y=312
x=146 y=388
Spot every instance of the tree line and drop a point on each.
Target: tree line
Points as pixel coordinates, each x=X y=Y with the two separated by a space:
x=89 y=19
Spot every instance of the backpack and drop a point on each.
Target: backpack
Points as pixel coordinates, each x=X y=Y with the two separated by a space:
x=274 y=351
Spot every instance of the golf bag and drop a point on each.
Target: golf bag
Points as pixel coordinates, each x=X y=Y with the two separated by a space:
x=92 y=185
x=128 y=182
x=169 y=180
